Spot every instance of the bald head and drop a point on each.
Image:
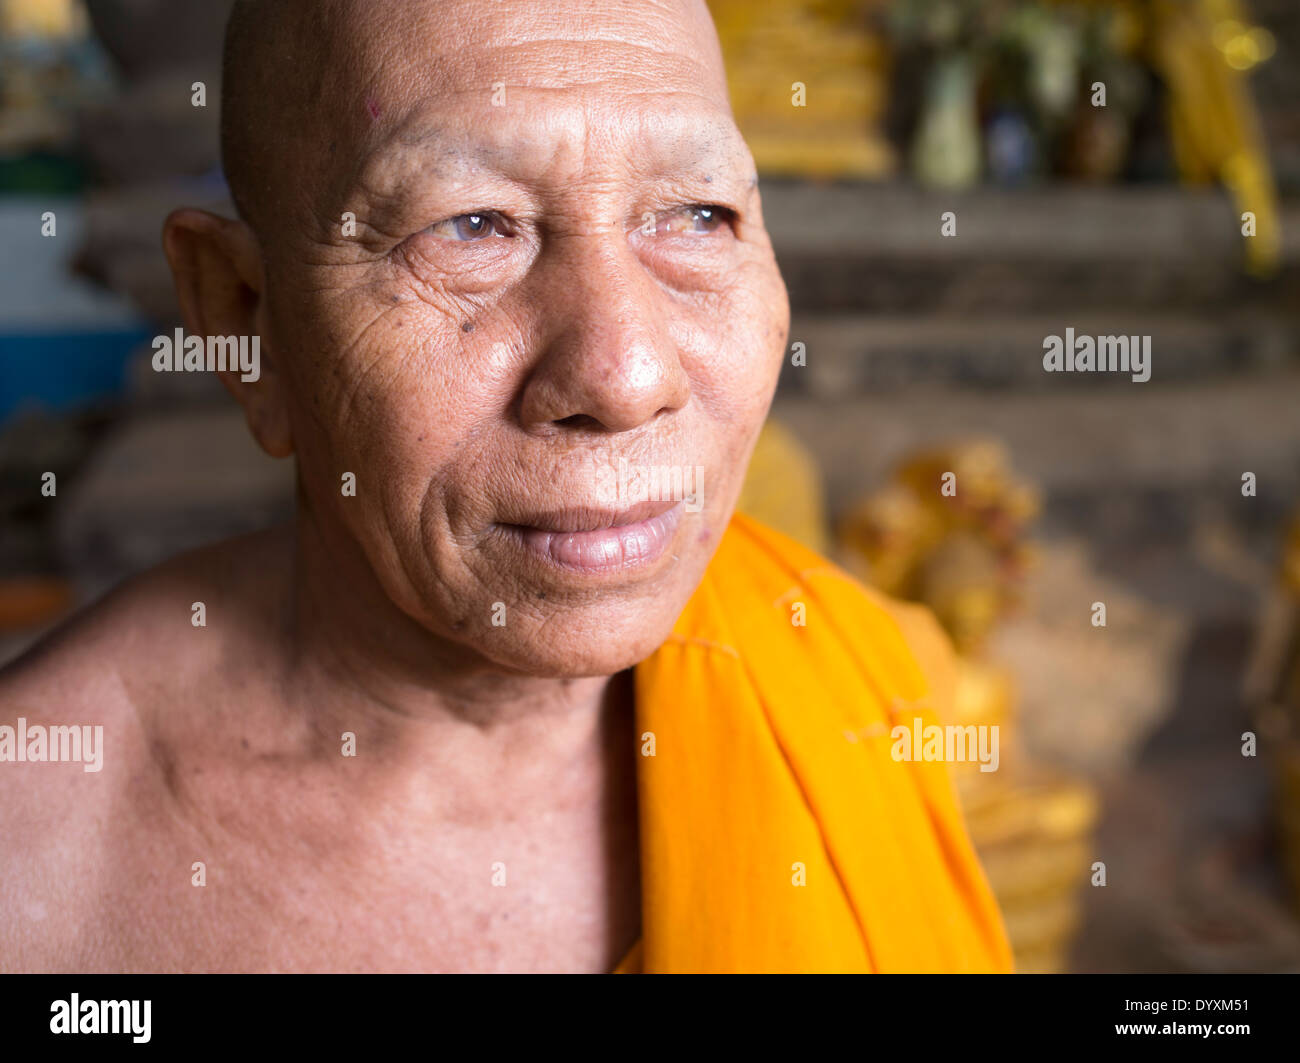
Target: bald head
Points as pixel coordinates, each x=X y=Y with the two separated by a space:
x=271 y=63
x=308 y=82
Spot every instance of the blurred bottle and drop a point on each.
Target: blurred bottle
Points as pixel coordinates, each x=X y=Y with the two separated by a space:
x=946 y=152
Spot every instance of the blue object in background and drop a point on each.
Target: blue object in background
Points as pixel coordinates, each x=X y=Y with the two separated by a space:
x=63 y=342
x=1012 y=151
x=64 y=370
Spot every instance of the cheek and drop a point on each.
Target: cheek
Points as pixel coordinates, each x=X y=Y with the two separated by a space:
x=395 y=404
x=735 y=352
x=744 y=325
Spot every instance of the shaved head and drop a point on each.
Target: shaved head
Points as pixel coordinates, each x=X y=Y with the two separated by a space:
x=272 y=62
x=241 y=77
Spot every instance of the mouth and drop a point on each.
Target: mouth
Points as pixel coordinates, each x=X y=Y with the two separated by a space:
x=600 y=540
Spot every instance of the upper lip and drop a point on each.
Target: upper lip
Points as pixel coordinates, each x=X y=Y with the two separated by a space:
x=592 y=518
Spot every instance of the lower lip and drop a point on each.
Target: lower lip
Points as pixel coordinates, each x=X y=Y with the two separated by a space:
x=605 y=549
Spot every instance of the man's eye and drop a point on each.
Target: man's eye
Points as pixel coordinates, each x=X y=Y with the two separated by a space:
x=698 y=218
x=467 y=227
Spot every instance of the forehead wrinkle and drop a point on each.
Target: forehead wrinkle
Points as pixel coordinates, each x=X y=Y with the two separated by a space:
x=448 y=41
x=563 y=62
x=446 y=87
x=674 y=27
x=665 y=138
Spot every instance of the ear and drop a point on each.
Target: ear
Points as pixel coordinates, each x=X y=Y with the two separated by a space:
x=217 y=266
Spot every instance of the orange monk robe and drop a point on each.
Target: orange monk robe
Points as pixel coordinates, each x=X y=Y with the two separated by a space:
x=772 y=766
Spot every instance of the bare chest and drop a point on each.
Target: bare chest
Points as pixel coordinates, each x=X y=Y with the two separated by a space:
x=551 y=893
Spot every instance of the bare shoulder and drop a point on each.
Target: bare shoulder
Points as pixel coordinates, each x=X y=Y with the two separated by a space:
x=81 y=715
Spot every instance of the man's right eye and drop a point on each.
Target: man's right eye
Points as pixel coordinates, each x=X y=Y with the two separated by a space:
x=467 y=227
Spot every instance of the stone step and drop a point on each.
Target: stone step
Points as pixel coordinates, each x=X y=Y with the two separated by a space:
x=1086 y=223
x=878 y=248
x=850 y=354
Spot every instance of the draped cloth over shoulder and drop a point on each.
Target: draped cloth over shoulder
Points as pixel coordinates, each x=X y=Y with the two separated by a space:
x=772 y=766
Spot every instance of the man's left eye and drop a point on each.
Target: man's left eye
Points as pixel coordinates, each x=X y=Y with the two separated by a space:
x=698 y=218
x=466 y=227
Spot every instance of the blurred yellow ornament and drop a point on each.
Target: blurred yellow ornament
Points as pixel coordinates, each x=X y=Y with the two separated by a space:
x=783 y=488
x=983 y=695
x=960 y=582
x=886 y=534
x=1201 y=49
x=947 y=531
x=42 y=18
x=808 y=85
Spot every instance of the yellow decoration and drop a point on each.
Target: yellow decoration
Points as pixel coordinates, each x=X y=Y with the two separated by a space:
x=831 y=128
x=1202 y=48
x=783 y=488
x=946 y=532
x=42 y=18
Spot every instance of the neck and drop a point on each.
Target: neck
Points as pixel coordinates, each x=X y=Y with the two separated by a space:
x=360 y=664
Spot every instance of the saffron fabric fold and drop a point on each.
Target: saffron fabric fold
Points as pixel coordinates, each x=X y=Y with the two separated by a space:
x=778 y=833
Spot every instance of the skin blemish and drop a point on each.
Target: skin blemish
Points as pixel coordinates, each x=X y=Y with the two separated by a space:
x=705 y=535
x=467 y=326
x=372 y=108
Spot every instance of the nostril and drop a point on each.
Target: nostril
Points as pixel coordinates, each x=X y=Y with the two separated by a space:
x=579 y=420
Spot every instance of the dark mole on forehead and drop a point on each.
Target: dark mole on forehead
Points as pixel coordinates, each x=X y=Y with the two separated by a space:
x=467 y=326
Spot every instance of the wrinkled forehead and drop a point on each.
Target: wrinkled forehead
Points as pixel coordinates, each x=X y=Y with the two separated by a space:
x=464 y=45
x=516 y=86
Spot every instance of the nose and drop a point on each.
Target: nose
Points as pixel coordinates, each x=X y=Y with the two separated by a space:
x=608 y=358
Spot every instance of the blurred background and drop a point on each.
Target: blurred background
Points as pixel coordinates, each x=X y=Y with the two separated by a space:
x=1146 y=814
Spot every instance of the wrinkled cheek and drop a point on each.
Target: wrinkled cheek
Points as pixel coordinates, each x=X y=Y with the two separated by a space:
x=748 y=380
x=756 y=342
x=347 y=457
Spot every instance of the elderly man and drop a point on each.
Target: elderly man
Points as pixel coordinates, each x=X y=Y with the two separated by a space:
x=516 y=692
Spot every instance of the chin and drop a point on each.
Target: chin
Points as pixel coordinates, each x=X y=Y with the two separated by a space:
x=583 y=642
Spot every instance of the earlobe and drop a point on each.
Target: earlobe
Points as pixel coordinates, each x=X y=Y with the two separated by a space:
x=217 y=269
x=268 y=420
